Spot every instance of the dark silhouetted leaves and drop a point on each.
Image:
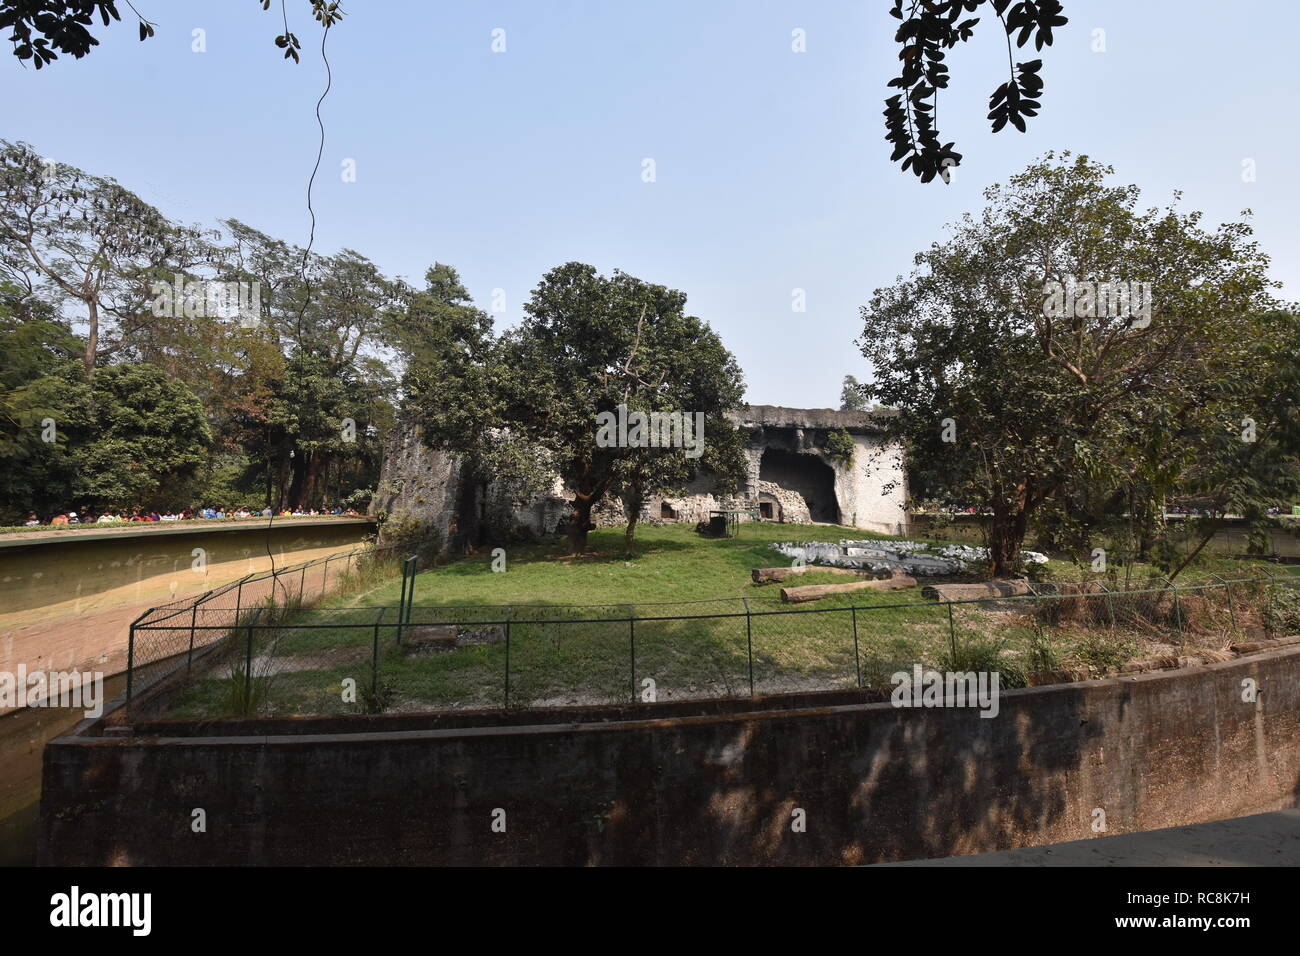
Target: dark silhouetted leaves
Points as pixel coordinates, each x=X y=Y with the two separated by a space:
x=926 y=30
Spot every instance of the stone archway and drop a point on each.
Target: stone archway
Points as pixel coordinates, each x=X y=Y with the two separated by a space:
x=807 y=475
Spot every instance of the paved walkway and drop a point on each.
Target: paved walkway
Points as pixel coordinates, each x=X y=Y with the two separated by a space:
x=1265 y=839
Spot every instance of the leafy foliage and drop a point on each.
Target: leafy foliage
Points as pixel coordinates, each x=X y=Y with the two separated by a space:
x=42 y=29
x=927 y=30
x=840 y=448
x=851 y=399
x=1010 y=406
x=590 y=343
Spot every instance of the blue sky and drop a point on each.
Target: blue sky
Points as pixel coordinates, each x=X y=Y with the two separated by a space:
x=771 y=168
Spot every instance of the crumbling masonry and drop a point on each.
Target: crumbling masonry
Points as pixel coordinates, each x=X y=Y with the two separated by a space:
x=790 y=479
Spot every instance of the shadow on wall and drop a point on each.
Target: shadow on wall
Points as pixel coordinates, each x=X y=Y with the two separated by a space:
x=915 y=789
x=701 y=783
x=806 y=474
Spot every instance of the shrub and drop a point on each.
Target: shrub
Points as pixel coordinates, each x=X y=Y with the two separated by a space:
x=1282 y=610
x=410 y=534
x=987 y=656
x=1101 y=652
x=840 y=448
x=376 y=700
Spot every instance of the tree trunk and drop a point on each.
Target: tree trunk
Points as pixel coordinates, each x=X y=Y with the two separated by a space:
x=469 y=526
x=314 y=464
x=579 y=522
x=1006 y=535
x=632 y=503
x=92 y=339
x=297 y=483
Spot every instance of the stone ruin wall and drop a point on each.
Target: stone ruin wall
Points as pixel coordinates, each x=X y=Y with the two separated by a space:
x=870 y=494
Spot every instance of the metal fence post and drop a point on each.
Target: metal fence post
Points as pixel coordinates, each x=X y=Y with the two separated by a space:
x=414 y=562
x=749 y=643
x=325 y=580
x=1272 y=596
x=631 y=637
x=1227 y=589
x=1110 y=603
x=857 y=659
x=374 y=661
x=952 y=635
x=248 y=664
x=509 y=614
x=1178 y=610
x=189 y=657
x=302 y=585
x=130 y=660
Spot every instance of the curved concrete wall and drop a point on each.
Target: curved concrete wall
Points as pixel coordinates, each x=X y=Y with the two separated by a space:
x=686 y=784
x=67 y=601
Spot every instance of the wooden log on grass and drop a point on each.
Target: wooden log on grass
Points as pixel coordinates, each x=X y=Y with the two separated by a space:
x=1012 y=587
x=815 y=592
x=764 y=575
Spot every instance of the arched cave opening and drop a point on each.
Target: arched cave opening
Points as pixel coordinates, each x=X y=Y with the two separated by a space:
x=806 y=474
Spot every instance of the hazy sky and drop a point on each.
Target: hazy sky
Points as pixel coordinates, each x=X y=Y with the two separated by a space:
x=772 y=173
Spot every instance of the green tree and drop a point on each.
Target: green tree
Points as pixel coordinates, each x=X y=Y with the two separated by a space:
x=851 y=399
x=40 y=387
x=589 y=344
x=451 y=387
x=145 y=441
x=89 y=243
x=1007 y=395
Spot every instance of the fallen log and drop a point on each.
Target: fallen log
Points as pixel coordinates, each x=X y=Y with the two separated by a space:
x=764 y=575
x=815 y=592
x=974 y=592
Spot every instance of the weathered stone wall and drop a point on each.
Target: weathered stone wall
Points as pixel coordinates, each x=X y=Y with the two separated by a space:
x=870 y=492
x=666 y=784
x=419 y=482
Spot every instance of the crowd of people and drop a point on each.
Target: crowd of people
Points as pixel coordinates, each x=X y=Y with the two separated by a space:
x=189 y=514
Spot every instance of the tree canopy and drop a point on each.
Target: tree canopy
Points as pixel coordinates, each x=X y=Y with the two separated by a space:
x=1064 y=337
x=42 y=29
x=589 y=344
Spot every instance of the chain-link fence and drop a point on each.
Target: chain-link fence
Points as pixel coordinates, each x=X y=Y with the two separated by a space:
x=276 y=658
x=172 y=637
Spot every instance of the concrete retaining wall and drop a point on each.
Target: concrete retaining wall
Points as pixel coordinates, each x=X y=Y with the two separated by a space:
x=656 y=785
x=67 y=601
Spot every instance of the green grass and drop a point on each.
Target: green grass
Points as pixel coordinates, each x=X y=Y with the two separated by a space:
x=673 y=573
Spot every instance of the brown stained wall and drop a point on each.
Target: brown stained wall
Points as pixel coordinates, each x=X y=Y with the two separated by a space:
x=68 y=603
x=877 y=783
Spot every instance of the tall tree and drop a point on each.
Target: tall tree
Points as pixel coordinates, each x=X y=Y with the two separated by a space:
x=589 y=344
x=851 y=399
x=1014 y=369
x=90 y=243
x=451 y=390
